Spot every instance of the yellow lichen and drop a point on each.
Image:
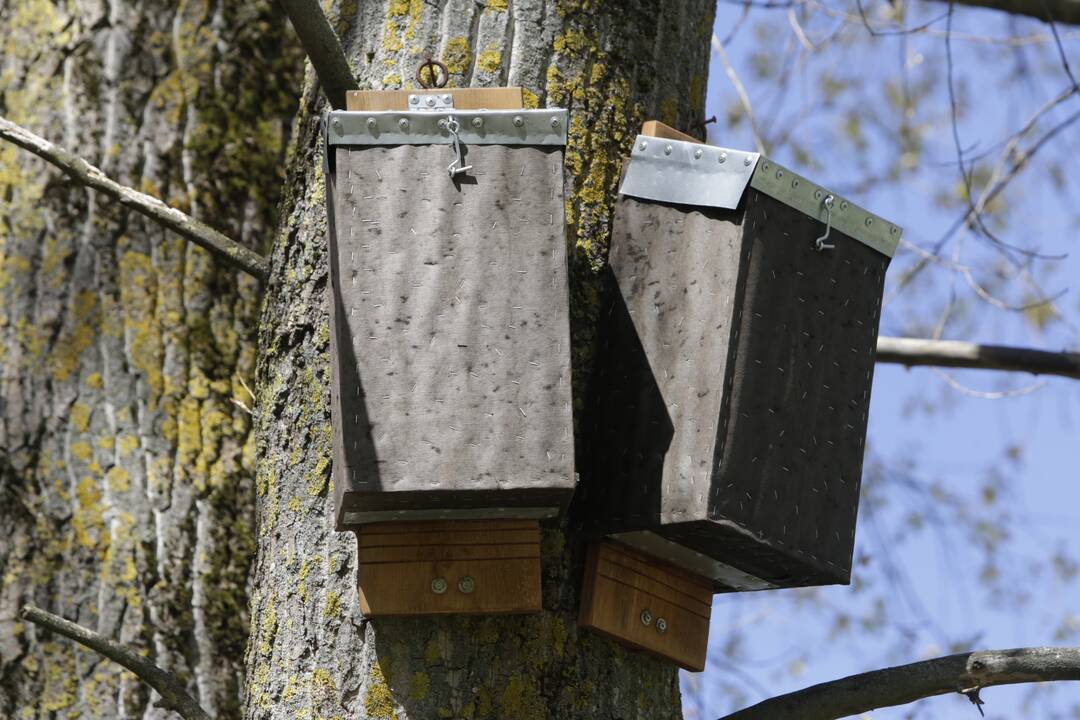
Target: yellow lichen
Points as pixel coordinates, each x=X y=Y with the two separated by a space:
x=419 y=686
x=378 y=700
x=457 y=56
x=490 y=59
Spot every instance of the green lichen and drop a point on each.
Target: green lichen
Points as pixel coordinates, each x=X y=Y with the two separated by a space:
x=378 y=700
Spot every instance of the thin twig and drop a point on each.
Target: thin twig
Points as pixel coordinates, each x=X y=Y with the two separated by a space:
x=83 y=172
x=322 y=46
x=964 y=673
x=744 y=98
x=174 y=696
x=955 y=353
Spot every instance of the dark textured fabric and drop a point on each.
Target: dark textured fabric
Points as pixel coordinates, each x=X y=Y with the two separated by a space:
x=451 y=330
x=734 y=382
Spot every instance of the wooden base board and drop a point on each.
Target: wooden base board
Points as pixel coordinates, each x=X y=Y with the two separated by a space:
x=505 y=98
x=624 y=588
x=480 y=566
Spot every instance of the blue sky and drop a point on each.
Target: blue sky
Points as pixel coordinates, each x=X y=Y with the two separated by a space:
x=916 y=416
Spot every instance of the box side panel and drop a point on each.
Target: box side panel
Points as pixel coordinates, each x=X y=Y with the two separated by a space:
x=660 y=372
x=451 y=317
x=789 y=465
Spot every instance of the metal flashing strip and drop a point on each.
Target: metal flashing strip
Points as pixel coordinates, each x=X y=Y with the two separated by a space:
x=793 y=190
x=476 y=127
x=687 y=173
x=692 y=560
x=512 y=513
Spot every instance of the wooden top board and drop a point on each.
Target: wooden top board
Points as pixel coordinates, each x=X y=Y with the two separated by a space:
x=657 y=129
x=505 y=98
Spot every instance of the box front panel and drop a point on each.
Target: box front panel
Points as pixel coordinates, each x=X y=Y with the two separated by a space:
x=660 y=375
x=790 y=462
x=451 y=322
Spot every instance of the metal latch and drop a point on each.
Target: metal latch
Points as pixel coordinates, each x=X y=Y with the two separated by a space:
x=431 y=102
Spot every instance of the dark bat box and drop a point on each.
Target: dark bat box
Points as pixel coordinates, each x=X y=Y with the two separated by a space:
x=734 y=380
x=449 y=313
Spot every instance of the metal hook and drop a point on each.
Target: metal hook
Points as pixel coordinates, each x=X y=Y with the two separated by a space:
x=452 y=127
x=820 y=243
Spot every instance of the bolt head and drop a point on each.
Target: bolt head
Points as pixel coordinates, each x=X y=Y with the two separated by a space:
x=466 y=584
x=646 y=617
x=667 y=149
x=869 y=222
x=447 y=99
x=779 y=174
x=661 y=625
x=372 y=123
x=643 y=145
x=431 y=101
x=438 y=585
x=554 y=122
x=414 y=100
x=478 y=122
x=747 y=161
x=723 y=157
x=518 y=121
x=403 y=123
x=697 y=154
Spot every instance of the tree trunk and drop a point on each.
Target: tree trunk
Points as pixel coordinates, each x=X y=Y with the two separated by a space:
x=126 y=471
x=311 y=654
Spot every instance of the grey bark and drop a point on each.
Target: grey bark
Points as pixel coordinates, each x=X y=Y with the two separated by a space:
x=955 y=353
x=614 y=65
x=966 y=673
x=126 y=491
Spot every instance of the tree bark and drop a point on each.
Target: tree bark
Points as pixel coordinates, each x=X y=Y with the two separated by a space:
x=311 y=654
x=126 y=472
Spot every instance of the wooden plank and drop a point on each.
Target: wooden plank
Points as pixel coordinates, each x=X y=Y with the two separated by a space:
x=657 y=129
x=400 y=568
x=506 y=98
x=427 y=553
x=613 y=603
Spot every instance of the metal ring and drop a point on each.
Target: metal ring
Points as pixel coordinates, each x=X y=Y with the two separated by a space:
x=435 y=79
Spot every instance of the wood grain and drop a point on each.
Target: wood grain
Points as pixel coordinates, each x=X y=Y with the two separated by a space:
x=621 y=583
x=399 y=561
x=506 y=98
x=655 y=128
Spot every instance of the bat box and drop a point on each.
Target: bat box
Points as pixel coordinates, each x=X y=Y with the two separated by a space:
x=733 y=383
x=449 y=311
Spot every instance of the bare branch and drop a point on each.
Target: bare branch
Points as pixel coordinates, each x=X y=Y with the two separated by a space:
x=323 y=47
x=83 y=172
x=965 y=673
x=954 y=353
x=1062 y=11
x=174 y=696
x=744 y=98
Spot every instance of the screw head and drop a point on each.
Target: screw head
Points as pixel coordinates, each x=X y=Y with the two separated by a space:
x=747 y=161
x=554 y=122
x=478 y=122
x=817 y=194
x=518 y=121
x=667 y=149
x=643 y=145
x=447 y=99
x=723 y=157
x=661 y=625
x=338 y=127
x=438 y=585
x=403 y=123
x=869 y=222
x=414 y=100
x=779 y=174
x=894 y=230
x=795 y=183
x=646 y=617
x=431 y=101
x=372 y=123
x=843 y=205
x=697 y=154
x=466 y=584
